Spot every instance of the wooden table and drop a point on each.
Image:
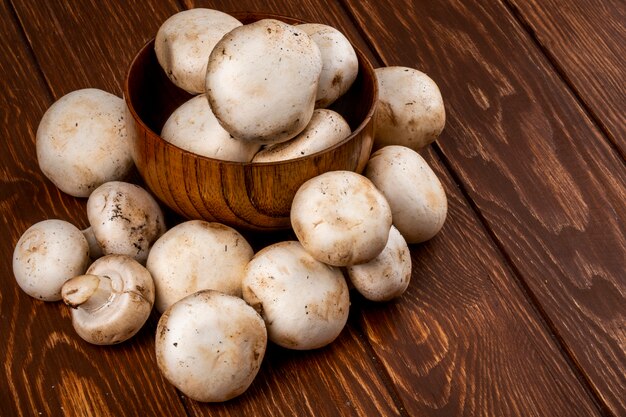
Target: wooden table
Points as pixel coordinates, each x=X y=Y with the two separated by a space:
x=517 y=308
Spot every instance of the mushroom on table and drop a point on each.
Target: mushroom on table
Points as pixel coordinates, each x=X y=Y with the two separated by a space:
x=112 y=301
x=340 y=218
x=125 y=219
x=82 y=141
x=417 y=199
x=304 y=302
x=48 y=254
x=410 y=109
x=386 y=276
x=210 y=345
x=197 y=255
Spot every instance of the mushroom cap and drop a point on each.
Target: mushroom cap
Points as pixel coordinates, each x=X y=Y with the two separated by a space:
x=197 y=255
x=48 y=254
x=386 y=276
x=326 y=128
x=418 y=201
x=341 y=218
x=126 y=309
x=340 y=65
x=82 y=141
x=125 y=219
x=193 y=127
x=210 y=345
x=185 y=40
x=262 y=80
x=304 y=302
x=410 y=108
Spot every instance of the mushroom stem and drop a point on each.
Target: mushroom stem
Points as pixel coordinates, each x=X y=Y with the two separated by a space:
x=95 y=251
x=88 y=292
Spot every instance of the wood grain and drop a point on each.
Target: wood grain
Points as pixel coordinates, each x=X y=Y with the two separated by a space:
x=70 y=40
x=47 y=368
x=464 y=340
x=586 y=40
x=430 y=393
x=542 y=177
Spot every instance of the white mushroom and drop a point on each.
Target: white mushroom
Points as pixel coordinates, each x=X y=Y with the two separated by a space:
x=197 y=255
x=386 y=276
x=326 y=128
x=210 y=345
x=125 y=219
x=341 y=218
x=417 y=198
x=193 y=127
x=262 y=80
x=340 y=65
x=48 y=254
x=82 y=141
x=112 y=301
x=95 y=251
x=410 y=108
x=185 y=40
x=304 y=302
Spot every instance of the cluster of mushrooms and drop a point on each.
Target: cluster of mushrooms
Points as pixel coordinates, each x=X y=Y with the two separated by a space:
x=221 y=302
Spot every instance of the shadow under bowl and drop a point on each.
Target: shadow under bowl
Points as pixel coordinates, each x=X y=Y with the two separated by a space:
x=251 y=196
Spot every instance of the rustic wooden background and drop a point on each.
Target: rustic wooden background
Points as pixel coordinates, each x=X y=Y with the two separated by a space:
x=517 y=308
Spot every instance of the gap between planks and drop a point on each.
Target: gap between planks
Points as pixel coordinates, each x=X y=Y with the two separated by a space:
x=29 y=48
x=382 y=371
x=546 y=322
x=562 y=73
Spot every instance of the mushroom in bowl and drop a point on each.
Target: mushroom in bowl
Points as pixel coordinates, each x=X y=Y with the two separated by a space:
x=246 y=195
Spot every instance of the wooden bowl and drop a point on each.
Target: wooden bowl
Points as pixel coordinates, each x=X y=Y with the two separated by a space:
x=253 y=196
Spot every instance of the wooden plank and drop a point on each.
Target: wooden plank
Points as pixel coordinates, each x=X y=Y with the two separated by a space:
x=477 y=373
x=340 y=380
x=543 y=178
x=47 y=369
x=89 y=43
x=476 y=331
x=586 y=40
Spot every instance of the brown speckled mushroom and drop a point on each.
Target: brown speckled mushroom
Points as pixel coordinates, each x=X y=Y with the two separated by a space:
x=386 y=276
x=112 y=301
x=197 y=255
x=82 y=141
x=210 y=345
x=304 y=302
x=48 y=254
x=340 y=218
x=125 y=219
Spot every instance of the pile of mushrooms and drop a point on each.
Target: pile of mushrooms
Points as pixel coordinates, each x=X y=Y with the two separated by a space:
x=221 y=302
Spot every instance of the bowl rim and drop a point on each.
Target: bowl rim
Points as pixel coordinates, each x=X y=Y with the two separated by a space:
x=362 y=58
